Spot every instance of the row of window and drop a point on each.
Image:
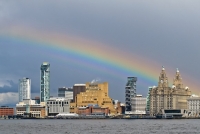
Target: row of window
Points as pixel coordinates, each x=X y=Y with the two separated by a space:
x=87 y=101
x=57 y=102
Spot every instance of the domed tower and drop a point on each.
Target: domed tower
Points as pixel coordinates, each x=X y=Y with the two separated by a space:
x=177 y=81
x=163 y=80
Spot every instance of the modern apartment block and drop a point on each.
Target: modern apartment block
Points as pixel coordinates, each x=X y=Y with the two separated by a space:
x=130 y=93
x=67 y=93
x=139 y=105
x=44 y=82
x=165 y=97
x=24 y=89
x=58 y=105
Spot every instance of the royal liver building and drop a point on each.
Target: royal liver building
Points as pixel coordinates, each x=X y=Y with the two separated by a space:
x=165 y=97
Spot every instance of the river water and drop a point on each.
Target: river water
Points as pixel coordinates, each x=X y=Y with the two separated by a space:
x=104 y=126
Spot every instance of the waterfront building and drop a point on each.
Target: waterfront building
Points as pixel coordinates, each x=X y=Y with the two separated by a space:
x=148 y=101
x=95 y=94
x=30 y=107
x=5 y=111
x=44 y=82
x=165 y=97
x=130 y=93
x=193 y=106
x=24 y=89
x=58 y=105
x=77 y=88
x=138 y=105
x=173 y=113
x=66 y=93
x=92 y=110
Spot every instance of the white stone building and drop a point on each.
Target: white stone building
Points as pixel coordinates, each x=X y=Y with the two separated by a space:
x=139 y=105
x=193 y=106
x=29 y=106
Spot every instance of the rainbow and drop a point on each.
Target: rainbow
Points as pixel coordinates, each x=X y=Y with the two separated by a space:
x=89 y=54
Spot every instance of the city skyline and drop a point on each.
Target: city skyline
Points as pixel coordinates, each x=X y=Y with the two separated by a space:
x=82 y=42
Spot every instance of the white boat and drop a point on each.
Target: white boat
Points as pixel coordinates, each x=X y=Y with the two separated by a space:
x=67 y=115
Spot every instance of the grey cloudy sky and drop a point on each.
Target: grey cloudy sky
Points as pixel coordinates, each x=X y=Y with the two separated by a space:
x=166 y=32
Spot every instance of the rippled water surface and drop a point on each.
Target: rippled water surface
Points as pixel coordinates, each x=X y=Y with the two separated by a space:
x=110 y=126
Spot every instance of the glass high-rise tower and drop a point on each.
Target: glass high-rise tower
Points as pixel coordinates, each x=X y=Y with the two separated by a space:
x=44 y=82
x=24 y=89
x=130 y=92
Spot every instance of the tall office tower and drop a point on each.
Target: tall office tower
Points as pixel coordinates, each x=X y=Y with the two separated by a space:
x=44 y=82
x=66 y=93
x=24 y=89
x=130 y=92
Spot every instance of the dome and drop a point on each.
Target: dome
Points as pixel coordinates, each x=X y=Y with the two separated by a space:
x=163 y=68
x=154 y=87
x=186 y=88
x=173 y=86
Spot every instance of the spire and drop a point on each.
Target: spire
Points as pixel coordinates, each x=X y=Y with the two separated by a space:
x=178 y=80
x=163 y=80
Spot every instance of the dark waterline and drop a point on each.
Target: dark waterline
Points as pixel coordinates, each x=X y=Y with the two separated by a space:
x=120 y=126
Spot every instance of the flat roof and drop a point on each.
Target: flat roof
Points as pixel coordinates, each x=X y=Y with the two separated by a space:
x=79 y=85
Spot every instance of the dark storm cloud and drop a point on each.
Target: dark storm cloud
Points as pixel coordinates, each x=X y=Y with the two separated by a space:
x=11 y=88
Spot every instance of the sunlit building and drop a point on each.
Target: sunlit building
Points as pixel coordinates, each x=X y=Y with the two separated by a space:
x=194 y=106
x=24 y=89
x=165 y=97
x=95 y=94
x=44 y=82
x=138 y=105
x=30 y=107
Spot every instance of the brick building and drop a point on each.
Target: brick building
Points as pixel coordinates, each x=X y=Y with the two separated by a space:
x=5 y=110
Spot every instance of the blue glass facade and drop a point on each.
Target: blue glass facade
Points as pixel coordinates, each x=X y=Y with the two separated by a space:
x=44 y=82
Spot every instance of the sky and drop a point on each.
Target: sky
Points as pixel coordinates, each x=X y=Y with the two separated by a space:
x=104 y=40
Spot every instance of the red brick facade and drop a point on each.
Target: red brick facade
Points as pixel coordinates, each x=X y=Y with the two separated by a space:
x=92 y=110
x=6 y=111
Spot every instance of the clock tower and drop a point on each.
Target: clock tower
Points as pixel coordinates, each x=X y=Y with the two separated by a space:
x=177 y=82
x=163 y=80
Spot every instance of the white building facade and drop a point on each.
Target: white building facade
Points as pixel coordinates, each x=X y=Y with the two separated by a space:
x=138 y=105
x=58 y=105
x=194 y=106
x=24 y=89
x=30 y=106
